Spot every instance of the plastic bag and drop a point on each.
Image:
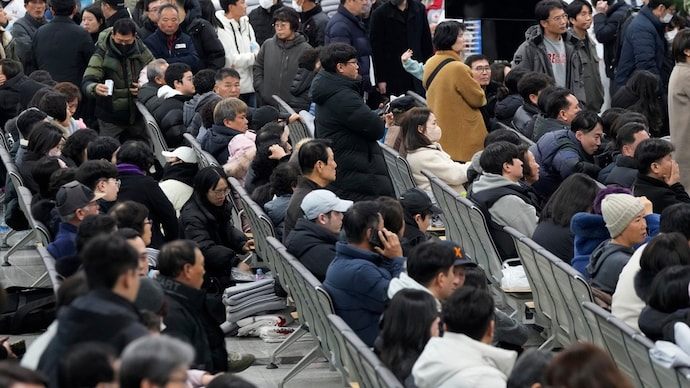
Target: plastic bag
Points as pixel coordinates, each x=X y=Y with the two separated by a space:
x=514 y=277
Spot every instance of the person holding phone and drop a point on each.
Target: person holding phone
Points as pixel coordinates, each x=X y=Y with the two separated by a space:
x=358 y=277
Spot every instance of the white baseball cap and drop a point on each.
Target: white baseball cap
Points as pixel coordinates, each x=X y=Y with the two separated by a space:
x=185 y=154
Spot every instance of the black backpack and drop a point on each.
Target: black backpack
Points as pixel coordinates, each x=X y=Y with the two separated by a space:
x=27 y=310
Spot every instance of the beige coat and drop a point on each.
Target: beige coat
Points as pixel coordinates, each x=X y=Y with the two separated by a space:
x=455 y=98
x=433 y=158
x=679 y=118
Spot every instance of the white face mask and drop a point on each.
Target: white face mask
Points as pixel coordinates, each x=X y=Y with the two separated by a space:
x=433 y=133
x=266 y=4
x=667 y=18
x=296 y=6
x=54 y=152
x=670 y=35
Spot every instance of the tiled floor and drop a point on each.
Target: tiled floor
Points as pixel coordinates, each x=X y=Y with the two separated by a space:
x=27 y=267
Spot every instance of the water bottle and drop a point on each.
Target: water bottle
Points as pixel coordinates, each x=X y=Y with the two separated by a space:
x=259 y=271
x=4 y=229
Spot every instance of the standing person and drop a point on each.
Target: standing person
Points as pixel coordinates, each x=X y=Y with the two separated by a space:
x=169 y=42
x=24 y=30
x=679 y=103
x=276 y=63
x=580 y=17
x=454 y=95
x=644 y=45
x=396 y=26
x=550 y=49
x=350 y=125
x=239 y=41
x=208 y=47
x=262 y=17
x=114 y=10
x=61 y=47
x=119 y=57
x=346 y=26
x=608 y=27
x=314 y=21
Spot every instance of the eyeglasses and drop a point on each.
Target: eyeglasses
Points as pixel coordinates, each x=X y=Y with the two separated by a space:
x=352 y=62
x=148 y=222
x=115 y=180
x=220 y=193
x=559 y=18
x=281 y=24
x=482 y=69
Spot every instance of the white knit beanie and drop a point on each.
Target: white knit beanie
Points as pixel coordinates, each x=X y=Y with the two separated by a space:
x=618 y=211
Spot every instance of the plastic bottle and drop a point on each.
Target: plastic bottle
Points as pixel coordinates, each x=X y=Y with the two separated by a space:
x=4 y=229
x=259 y=273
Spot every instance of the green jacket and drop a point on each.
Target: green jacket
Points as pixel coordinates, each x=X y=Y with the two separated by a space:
x=109 y=63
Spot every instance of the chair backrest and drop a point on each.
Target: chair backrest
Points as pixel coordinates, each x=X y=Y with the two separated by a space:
x=614 y=341
x=49 y=262
x=446 y=197
x=522 y=137
x=4 y=143
x=298 y=131
x=42 y=235
x=364 y=366
x=543 y=302
x=234 y=198
x=421 y=100
x=261 y=225
x=487 y=256
x=11 y=168
x=308 y=119
x=563 y=273
x=203 y=158
x=156 y=138
x=282 y=105
x=398 y=170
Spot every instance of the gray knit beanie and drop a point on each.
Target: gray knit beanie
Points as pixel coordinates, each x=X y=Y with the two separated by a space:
x=618 y=211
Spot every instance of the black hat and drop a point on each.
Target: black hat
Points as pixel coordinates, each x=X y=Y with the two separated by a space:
x=403 y=104
x=416 y=201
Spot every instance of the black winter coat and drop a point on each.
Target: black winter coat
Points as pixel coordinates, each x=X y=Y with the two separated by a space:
x=262 y=22
x=313 y=25
x=148 y=95
x=300 y=89
x=353 y=129
x=218 y=239
x=15 y=95
x=206 y=42
x=344 y=27
x=169 y=118
x=659 y=193
x=189 y=319
x=392 y=32
x=216 y=142
x=313 y=246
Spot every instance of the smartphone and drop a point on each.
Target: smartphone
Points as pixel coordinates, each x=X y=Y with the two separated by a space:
x=374 y=239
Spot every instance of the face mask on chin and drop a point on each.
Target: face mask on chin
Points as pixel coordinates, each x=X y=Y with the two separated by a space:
x=266 y=4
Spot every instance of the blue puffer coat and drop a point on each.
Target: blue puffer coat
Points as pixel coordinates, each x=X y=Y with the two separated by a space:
x=345 y=27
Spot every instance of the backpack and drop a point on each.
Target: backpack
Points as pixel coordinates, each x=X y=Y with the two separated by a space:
x=28 y=310
x=618 y=45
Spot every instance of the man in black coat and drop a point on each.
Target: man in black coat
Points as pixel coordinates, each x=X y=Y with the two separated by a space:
x=396 y=26
x=16 y=90
x=181 y=266
x=313 y=239
x=206 y=42
x=179 y=89
x=62 y=47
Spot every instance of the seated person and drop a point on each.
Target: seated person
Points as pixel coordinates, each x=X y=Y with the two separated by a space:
x=559 y=107
x=74 y=202
x=90 y=227
x=394 y=137
x=501 y=198
x=312 y=240
x=206 y=219
x=530 y=87
x=74 y=150
x=358 y=277
x=280 y=187
x=623 y=170
x=421 y=135
x=179 y=89
x=667 y=304
x=624 y=217
x=103 y=148
x=148 y=93
x=658 y=175
x=101 y=177
x=272 y=148
x=230 y=119
x=418 y=211
x=178 y=176
x=464 y=357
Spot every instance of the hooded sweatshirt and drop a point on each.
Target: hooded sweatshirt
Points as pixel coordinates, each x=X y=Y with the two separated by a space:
x=456 y=360
x=606 y=264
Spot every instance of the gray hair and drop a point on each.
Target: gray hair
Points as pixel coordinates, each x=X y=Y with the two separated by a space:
x=155 y=69
x=153 y=358
x=228 y=109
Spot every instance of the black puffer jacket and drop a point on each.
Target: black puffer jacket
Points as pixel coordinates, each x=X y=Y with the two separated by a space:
x=209 y=48
x=216 y=236
x=313 y=246
x=300 y=89
x=353 y=129
x=169 y=117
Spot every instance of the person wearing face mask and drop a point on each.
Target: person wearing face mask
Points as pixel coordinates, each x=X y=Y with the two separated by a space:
x=314 y=21
x=644 y=45
x=261 y=19
x=421 y=134
x=120 y=56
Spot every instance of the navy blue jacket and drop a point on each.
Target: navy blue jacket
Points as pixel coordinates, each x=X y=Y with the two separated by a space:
x=216 y=142
x=644 y=48
x=180 y=49
x=345 y=27
x=357 y=280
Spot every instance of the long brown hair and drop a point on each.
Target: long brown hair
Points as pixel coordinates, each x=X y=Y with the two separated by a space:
x=409 y=124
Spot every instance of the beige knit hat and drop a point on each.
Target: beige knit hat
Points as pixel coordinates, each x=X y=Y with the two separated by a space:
x=618 y=211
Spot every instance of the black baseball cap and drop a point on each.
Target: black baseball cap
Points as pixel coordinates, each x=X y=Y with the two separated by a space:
x=416 y=201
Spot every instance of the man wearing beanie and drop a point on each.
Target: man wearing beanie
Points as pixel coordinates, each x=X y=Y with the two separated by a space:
x=624 y=217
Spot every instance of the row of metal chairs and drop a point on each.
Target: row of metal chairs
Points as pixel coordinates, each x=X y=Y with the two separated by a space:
x=564 y=307
x=298 y=130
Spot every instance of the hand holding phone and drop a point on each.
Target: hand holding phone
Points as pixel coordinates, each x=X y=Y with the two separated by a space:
x=385 y=243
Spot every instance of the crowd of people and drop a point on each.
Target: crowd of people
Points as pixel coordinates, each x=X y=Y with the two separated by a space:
x=145 y=249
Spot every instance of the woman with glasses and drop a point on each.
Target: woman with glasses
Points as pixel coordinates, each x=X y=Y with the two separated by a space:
x=207 y=220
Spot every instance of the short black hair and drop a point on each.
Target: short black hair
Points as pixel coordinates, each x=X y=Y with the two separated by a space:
x=175 y=72
x=311 y=152
x=502 y=134
x=224 y=4
x=496 y=154
x=626 y=134
x=92 y=226
x=284 y=179
x=204 y=80
x=542 y=10
x=54 y=104
x=44 y=137
x=130 y=214
x=650 y=151
x=93 y=171
x=574 y=8
x=469 y=311
x=76 y=144
x=427 y=260
x=392 y=213
x=174 y=255
x=10 y=67
x=102 y=148
x=676 y=218
x=475 y=58
x=137 y=153
x=552 y=100
x=124 y=26
x=287 y=14
x=681 y=43
x=585 y=121
x=333 y=54
x=361 y=217
x=227 y=72
x=62 y=7
x=308 y=58
x=446 y=34
x=532 y=83
x=105 y=258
